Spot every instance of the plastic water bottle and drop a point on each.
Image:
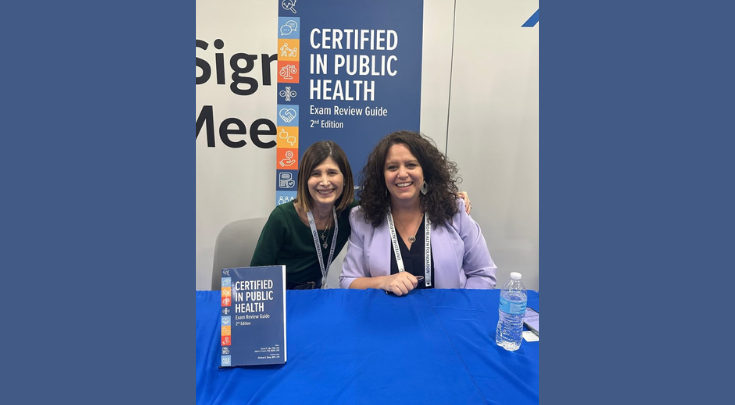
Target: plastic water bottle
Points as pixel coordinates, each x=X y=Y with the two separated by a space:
x=512 y=307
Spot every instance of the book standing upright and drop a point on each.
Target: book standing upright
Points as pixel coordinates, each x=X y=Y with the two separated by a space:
x=253 y=316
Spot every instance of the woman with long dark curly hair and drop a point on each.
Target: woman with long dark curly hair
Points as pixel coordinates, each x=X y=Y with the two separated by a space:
x=410 y=230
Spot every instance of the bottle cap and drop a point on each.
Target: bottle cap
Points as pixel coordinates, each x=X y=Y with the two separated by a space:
x=515 y=276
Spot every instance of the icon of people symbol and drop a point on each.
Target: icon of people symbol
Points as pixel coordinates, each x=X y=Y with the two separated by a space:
x=287 y=51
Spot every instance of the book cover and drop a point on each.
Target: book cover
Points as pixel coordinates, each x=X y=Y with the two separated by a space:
x=253 y=316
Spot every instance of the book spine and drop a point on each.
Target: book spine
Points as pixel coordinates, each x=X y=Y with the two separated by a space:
x=226 y=320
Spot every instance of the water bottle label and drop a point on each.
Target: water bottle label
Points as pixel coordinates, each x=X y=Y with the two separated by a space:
x=511 y=307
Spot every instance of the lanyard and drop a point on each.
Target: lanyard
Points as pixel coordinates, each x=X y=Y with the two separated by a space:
x=427 y=247
x=318 y=246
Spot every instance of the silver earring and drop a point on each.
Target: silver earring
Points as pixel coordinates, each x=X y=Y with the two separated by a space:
x=424 y=188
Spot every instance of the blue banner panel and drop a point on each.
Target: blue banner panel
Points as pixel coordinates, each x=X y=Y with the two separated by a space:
x=359 y=71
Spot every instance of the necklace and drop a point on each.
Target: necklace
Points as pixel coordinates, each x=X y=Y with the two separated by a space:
x=324 y=237
x=412 y=238
x=427 y=247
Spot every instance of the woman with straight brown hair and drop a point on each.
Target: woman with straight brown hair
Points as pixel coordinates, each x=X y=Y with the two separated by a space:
x=306 y=233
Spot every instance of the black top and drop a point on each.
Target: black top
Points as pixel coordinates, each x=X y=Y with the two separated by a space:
x=286 y=240
x=413 y=259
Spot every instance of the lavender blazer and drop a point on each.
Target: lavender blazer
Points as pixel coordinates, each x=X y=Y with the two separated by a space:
x=461 y=257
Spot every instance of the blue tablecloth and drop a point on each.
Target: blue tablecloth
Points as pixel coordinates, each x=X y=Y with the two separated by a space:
x=367 y=347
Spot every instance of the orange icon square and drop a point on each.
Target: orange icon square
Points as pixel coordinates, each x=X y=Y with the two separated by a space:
x=288 y=72
x=288 y=49
x=287 y=158
x=288 y=137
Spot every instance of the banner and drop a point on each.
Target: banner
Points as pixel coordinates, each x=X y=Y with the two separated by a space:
x=349 y=72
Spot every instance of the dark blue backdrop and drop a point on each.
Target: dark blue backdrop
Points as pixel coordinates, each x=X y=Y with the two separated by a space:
x=400 y=95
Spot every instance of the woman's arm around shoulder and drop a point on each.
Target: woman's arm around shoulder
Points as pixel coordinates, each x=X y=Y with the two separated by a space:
x=353 y=266
x=477 y=263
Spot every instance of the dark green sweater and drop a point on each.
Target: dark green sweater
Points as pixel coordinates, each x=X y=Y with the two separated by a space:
x=287 y=240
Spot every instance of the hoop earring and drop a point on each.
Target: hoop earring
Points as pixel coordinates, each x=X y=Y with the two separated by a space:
x=424 y=188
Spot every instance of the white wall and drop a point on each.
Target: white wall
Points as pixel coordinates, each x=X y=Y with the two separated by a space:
x=436 y=68
x=233 y=184
x=494 y=128
x=493 y=122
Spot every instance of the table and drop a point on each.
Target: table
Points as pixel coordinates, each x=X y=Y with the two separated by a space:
x=366 y=347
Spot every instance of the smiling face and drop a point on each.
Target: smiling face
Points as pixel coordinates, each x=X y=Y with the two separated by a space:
x=403 y=174
x=326 y=183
